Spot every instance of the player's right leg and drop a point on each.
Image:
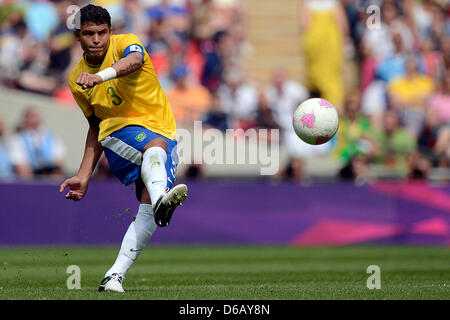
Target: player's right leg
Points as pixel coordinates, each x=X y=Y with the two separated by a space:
x=167 y=203
x=158 y=174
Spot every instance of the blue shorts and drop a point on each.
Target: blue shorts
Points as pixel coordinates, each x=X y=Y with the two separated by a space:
x=123 y=149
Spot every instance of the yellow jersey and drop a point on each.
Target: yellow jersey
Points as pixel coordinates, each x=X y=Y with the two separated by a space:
x=412 y=91
x=135 y=99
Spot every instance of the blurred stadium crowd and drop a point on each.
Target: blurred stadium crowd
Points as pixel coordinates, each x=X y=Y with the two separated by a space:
x=394 y=124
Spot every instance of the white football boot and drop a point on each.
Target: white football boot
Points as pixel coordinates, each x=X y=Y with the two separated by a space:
x=167 y=203
x=112 y=283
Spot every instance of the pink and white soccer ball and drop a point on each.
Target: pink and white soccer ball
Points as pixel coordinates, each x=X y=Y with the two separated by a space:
x=315 y=121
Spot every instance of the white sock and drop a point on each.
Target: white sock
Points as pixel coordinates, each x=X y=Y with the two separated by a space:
x=135 y=240
x=153 y=172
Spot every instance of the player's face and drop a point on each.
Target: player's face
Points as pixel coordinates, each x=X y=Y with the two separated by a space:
x=94 y=39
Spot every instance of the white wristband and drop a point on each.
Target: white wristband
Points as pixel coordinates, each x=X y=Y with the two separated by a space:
x=107 y=74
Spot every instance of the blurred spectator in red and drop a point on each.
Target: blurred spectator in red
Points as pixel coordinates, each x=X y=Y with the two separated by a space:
x=325 y=28
x=188 y=99
x=34 y=149
x=158 y=47
x=210 y=22
x=194 y=58
x=394 y=144
x=409 y=95
x=238 y=99
x=6 y=168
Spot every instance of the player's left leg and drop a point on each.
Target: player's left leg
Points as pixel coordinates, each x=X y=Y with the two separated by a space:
x=135 y=240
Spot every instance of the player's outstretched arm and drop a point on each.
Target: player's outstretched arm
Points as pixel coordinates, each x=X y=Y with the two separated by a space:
x=128 y=64
x=123 y=67
x=79 y=184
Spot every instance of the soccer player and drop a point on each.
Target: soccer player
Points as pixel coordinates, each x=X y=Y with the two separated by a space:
x=131 y=120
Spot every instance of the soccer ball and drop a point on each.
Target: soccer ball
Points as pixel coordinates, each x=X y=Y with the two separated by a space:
x=315 y=121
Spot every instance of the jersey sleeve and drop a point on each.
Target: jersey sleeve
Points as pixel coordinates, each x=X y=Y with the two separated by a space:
x=130 y=43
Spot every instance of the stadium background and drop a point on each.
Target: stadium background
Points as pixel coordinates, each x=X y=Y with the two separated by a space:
x=245 y=64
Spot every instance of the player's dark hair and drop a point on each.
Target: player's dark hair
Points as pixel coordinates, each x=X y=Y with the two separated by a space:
x=92 y=13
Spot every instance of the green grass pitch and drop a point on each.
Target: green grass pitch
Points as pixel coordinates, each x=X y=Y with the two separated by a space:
x=205 y=273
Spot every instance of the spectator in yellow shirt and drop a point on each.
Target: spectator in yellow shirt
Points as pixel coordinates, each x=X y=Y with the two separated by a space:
x=409 y=95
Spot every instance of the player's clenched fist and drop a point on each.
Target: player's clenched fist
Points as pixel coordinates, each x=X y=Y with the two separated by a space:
x=88 y=80
x=78 y=188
